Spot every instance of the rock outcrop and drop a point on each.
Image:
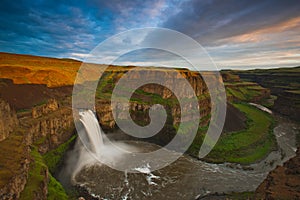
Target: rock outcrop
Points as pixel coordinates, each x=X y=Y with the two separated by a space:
x=11 y=189
x=49 y=125
x=288 y=104
x=283 y=83
x=148 y=94
x=14 y=165
x=283 y=182
x=43 y=110
x=46 y=126
x=8 y=120
x=14 y=156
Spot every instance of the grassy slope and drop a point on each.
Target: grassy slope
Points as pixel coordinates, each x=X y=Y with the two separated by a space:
x=24 y=69
x=54 y=157
x=248 y=145
x=243 y=91
x=13 y=152
x=54 y=72
x=37 y=177
x=38 y=166
x=286 y=79
x=56 y=190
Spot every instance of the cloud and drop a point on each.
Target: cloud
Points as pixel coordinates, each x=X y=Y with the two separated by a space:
x=237 y=33
x=233 y=31
x=290 y=26
x=44 y=28
x=208 y=21
x=59 y=28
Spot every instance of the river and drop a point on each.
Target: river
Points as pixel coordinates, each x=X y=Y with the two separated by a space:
x=186 y=178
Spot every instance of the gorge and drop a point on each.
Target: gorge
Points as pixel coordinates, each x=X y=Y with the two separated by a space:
x=37 y=129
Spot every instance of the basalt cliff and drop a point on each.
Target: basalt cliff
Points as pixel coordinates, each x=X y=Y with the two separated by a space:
x=284 y=87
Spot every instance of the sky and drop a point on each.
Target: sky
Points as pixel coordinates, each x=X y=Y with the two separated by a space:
x=237 y=34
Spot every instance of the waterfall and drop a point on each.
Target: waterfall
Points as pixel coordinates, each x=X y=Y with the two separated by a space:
x=93 y=131
x=93 y=147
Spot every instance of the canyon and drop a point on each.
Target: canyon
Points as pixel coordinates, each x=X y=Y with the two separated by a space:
x=36 y=114
x=283 y=85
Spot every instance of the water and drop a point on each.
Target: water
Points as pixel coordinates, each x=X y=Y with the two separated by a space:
x=94 y=148
x=186 y=178
x=91 y=125
x=261 y=107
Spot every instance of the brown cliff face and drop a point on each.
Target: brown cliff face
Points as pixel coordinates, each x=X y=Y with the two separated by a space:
x=14 y=157
x=139 y=112
x=8 y=120
x=51 y=106
x=49 y=125
x=150 y=94
x=147 y=95
x=283 y=182
x=22 y=97
x=46 y=126
x=15 y=160
x=283 y=83
x=287 y=103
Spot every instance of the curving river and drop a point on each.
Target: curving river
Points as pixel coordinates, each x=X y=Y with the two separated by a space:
x=186 y=178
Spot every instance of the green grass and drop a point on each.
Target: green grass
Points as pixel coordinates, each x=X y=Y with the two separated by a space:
x=23 y=110
x=269 y=103
x=55 y=190
x=36 y=175
x=244 y=92
x=197 y=142
x=54 y=157
x=235 y=93
x=249 y=145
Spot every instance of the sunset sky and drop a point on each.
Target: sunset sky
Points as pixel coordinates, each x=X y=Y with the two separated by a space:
x=236 y=33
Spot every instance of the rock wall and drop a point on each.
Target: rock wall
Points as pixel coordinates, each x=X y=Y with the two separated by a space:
x=249 y=92
x=283 y=182
x=8 y=120
x=12 y=189
x=49 y=126
x=14 y=156
x=288 y=104
x=139 y=111
x=141 y=102
x=49 y=107
x=46 y=126
x=283 y=83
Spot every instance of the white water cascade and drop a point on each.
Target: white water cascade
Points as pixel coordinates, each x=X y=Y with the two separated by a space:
x=95 y=148
x=94 y=133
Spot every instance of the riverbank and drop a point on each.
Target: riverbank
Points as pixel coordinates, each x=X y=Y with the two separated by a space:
x=188 y=178
x=287 y=134
x=249 y=145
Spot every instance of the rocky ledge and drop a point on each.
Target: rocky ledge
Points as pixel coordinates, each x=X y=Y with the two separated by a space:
x=8 y=120
x=283 y=182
